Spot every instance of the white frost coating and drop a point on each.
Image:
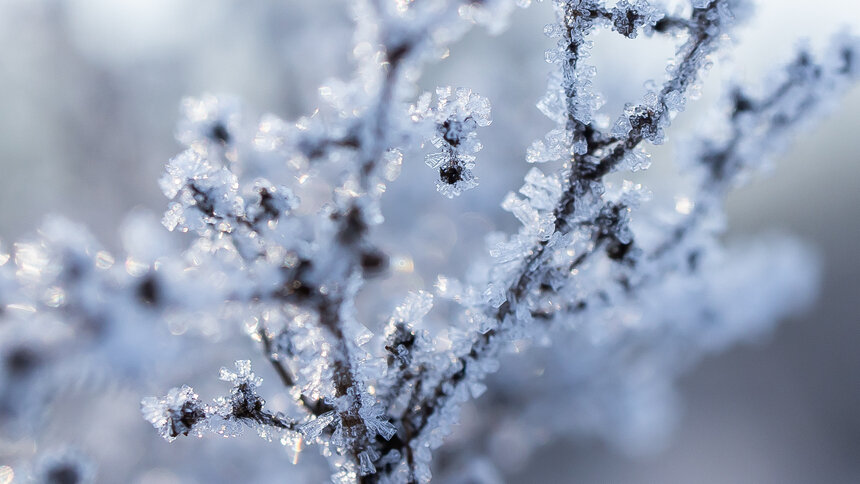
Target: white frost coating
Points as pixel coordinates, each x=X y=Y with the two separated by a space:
x=453 y=123
x=314 y=428
x=606 y=296
x=169 y=415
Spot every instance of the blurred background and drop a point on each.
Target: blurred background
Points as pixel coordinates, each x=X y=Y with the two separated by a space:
x=90 y=91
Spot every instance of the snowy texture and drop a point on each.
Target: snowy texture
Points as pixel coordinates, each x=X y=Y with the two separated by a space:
x=620 y=296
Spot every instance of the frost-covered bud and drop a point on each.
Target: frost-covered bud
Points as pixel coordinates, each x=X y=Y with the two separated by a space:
x=208 y=121
x=20 y=361
x=65 y=467
x=578 y=16
x=204 y=192
x=628 y=18
x=612 y=226
x=399 y=344
x=454 y=178
x=244 y=403
x=25 y=365
x=178 y=413
x=645 y=122
x=267 y=202
x=455 y=120
x=848 y=54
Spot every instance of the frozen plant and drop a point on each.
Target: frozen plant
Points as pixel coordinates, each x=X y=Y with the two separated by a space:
x=623 y=294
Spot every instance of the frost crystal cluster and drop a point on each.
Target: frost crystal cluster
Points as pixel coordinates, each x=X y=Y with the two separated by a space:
x=619 y=295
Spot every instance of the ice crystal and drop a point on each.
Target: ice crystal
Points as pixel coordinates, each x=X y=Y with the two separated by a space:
x=314 y=428
x=282 y=232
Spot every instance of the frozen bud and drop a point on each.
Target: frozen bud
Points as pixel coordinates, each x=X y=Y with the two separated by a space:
x=456 y=117
x=455 y=178
x=175 y=414
x=209 y=120
x=373 y=262
x=244 y=403
x=627 y=18
x=21 y=361
x=67 y=467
